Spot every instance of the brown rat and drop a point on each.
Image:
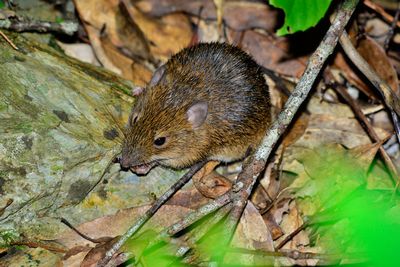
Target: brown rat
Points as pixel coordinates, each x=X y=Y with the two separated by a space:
x=208 y=102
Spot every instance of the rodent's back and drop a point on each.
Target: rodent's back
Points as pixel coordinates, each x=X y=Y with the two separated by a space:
x=232 y=84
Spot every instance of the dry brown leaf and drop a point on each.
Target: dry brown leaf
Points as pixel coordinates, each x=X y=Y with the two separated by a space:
x=269 y=187
x=292 y=221
x=101 y=55
x=97 y=253
x=112 y=35
x=272 y=53
x=238 y=15
x=332 y=123
x=296 y=130
x=206 y=31
x=275 y=229
x=252 y=233
x=342 y=64
x=117 y=224
x=159 y=8
x=365 y=154
x=255 y=230
x=167 y=35
x=379 y=177
x=324 y=129
x=245 y=15
x=135 y=72
x=280 y=208
x=376 y=56
x=109 y=20
x=190 y=198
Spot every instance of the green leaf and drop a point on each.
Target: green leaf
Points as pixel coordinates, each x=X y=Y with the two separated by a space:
x=350 y=219
x=2 y=5
x=300 y=14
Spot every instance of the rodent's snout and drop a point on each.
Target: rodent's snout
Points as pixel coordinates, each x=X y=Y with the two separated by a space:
x=125 y=163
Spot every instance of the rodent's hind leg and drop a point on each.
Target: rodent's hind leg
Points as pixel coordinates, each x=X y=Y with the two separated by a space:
x=209 y=183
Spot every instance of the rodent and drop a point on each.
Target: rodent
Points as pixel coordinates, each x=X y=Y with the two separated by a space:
x=208 y=102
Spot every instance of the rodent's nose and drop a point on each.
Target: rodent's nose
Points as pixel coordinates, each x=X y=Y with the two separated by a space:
x=125 y=163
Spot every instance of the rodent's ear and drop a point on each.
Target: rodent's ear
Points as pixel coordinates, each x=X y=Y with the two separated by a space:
x=197 y=114
x=158 y=75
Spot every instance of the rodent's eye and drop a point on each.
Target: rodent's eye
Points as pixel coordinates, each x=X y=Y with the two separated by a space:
x=160 y=141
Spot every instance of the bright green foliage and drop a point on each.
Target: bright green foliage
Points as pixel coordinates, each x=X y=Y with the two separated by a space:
x=350 y=220
x=2 y=5
x=300 y=14
x=158 y=254
x=214 y=244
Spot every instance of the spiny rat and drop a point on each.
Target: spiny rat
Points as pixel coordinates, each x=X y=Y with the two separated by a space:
x=208 y=102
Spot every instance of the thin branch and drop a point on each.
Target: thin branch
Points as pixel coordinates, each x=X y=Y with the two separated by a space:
x=67 y=223
x=390 y=98
x=291 y=235
x=195 y=236
x=366 y=124
x=389 y=18
x=149 y=213
x=199 y=214
x=36 y=244
x=392 y=28
x=255 y=165
x=20 y=24
x=324 y=258
x=8 y=40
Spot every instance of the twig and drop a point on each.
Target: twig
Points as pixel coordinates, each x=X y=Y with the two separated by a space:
x=392 y=27
x=194 y=236
x=326 y=258
x=193 y=217
x=293 y=254
x=291 y=235
x=365 y=123
x=8 y=40
x=20 y=24
x=188 y=220
x=251 y=170
x=149 y=213
x=36 y=244
x=391 y=100
x=64 y=221
x=381 y=11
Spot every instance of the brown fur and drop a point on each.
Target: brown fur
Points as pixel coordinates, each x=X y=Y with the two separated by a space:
x=221 y=75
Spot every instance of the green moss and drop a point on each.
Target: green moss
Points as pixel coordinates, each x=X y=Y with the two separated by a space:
x=8 y=236
x=56 y=168
x=24 y=127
